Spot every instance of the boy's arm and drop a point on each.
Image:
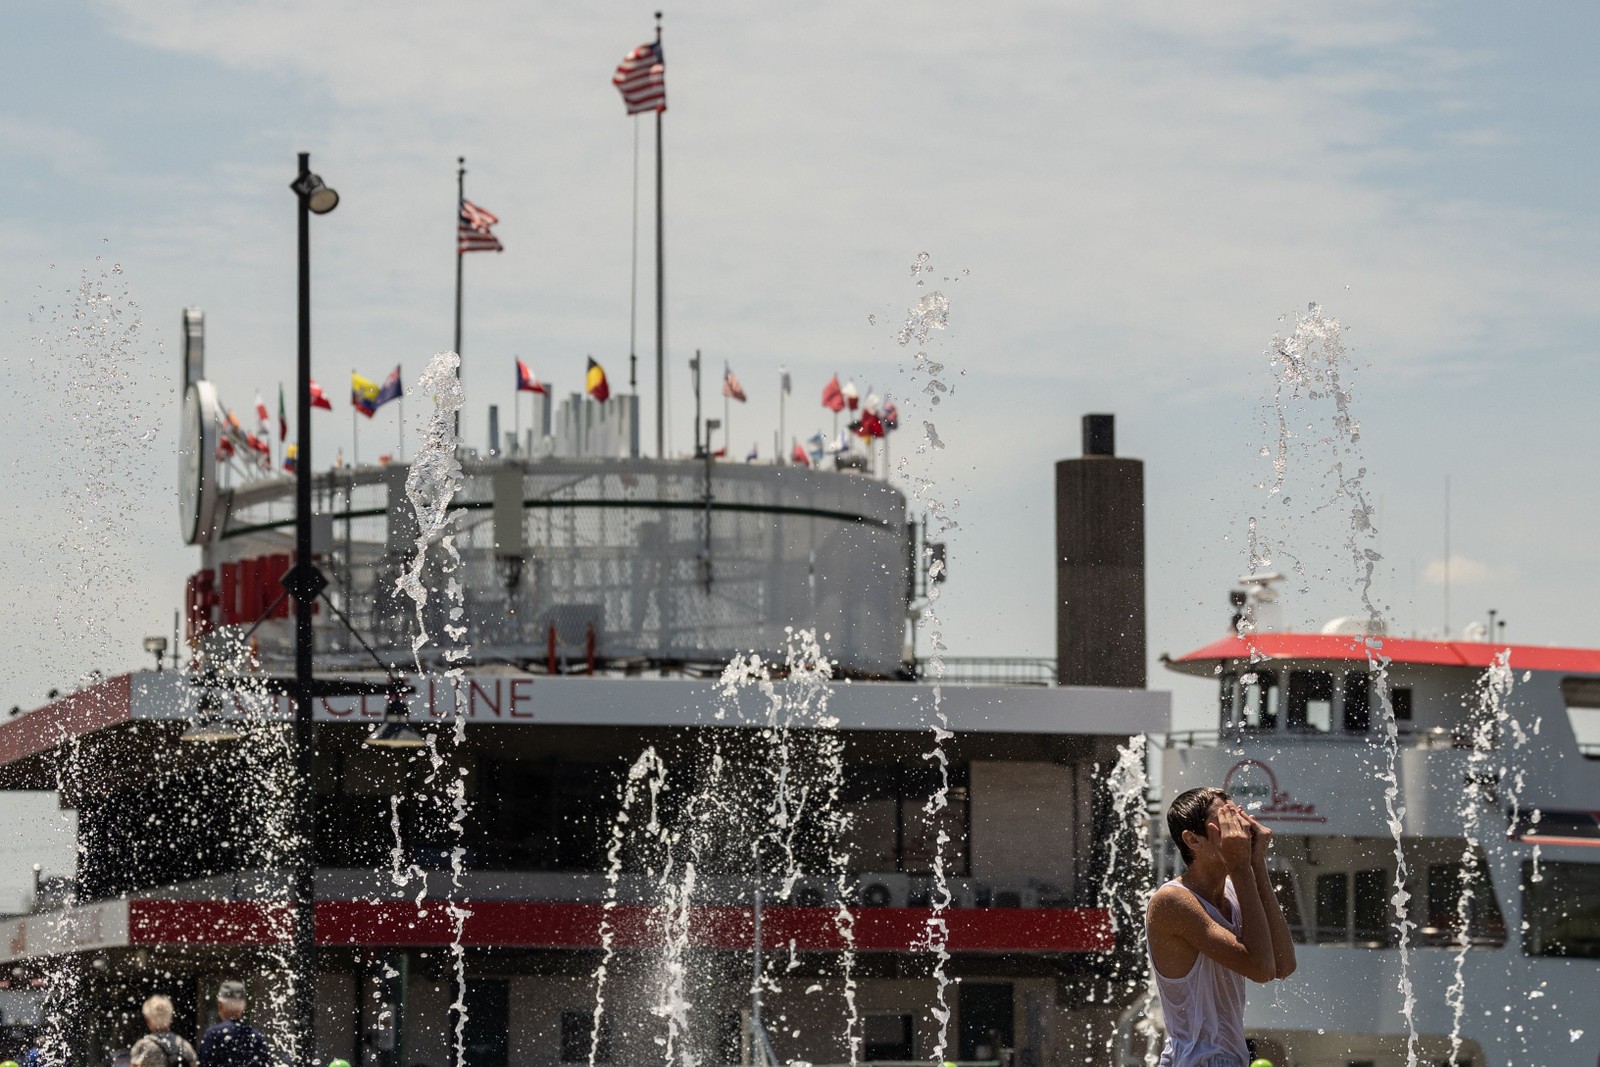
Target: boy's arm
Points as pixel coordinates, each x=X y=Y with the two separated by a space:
x=1283 y=961
x=1179 y=914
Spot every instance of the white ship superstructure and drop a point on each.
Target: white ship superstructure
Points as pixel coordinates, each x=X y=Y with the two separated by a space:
x=1490 y=755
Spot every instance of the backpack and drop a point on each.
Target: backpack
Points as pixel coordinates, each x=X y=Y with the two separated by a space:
x=170 y=1048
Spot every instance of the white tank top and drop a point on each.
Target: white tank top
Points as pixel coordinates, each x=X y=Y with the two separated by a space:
x=1204 y=1009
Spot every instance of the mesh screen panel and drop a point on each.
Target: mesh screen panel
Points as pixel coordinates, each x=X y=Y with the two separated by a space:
x=665 y=560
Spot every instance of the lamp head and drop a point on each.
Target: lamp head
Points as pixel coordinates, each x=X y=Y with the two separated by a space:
x=209 y=727
x=396 y=730
x=319 y=198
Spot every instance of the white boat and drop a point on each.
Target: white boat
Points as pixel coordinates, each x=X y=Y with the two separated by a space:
x=1489 y=769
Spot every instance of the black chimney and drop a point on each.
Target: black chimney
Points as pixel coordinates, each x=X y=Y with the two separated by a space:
x=1100 y=435
x=1100 y=611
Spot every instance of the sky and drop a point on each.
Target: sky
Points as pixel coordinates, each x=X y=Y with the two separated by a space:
x=1123 y=202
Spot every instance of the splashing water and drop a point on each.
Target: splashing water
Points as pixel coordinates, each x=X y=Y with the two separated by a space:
x=1124 y=891
x=1309 y=369
x=1480 y=795
x=91 y=365
x=434 y=478
x=646 y=778
x=777 y=801
x=932 y=313
x=431 y=484
x=804 y=763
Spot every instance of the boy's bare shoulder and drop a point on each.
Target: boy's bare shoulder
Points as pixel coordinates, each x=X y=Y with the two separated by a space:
x=1170 y=902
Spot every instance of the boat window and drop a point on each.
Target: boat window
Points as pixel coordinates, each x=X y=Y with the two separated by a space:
x=1582 y=696
x=1310 y=701
x=1333 y=903
x=1372 y=907
x=1561 y=903
x=1260 y=704
x=1225 y=699
x=1400 y=701
x=1357 y=702
x=1289 y=901
x=1444 y=903
x=1349 y=884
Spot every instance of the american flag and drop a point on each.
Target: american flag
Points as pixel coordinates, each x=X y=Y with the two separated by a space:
x=641 y=78
x=730 y=385
x=473 y=234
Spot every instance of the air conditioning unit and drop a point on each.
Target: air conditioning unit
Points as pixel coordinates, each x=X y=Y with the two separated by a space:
x=1014 y=896
x=883 y=891
x=964 y=893
x=807 y=893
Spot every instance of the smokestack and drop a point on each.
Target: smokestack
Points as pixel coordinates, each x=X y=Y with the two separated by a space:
x=1100 y=612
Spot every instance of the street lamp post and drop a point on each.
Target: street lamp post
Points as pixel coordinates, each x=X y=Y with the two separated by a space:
x=304 y=583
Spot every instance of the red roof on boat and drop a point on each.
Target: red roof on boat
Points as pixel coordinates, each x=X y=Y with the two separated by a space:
x=1475 y=654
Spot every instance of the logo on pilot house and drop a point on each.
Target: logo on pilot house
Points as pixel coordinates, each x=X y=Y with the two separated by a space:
x=1252 y=784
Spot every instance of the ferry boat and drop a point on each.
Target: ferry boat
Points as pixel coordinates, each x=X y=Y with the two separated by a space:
x=601 y=594
x=1497 y=805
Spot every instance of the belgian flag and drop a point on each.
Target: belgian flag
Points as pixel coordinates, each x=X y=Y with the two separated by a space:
x=595 y=382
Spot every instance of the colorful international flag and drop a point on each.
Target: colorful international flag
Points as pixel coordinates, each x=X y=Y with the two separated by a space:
x=832 y=395
x=392 y=388
x=283 y=415
x=868 y=426
x=368 y=396
x=263 y=417
x=800 y=458
x=528 y=382
x=852 y=397
x=291 y=456
x=364 y=394
x=319 y=399
x=730 y=385
x=890 y=415
x=594 y=382
x=641 y=78
x=472 y=233
x=783 y=380
x=236 y=433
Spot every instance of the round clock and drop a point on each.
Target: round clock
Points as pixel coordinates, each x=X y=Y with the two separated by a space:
x=197 y=463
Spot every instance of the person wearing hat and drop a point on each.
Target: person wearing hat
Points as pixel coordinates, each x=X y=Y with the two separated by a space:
x=232 y=1042
x=160 y=1047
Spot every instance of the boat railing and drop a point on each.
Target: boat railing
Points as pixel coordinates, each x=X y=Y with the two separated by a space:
x=988 y=670
x=1435 y=737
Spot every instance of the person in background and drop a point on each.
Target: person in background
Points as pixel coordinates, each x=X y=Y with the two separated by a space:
x=161 y=1047
x=1212 y=927
x=232 y=1042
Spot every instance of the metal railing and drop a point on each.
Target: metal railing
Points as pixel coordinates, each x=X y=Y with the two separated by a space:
x=1436 y=737
x=989 y=670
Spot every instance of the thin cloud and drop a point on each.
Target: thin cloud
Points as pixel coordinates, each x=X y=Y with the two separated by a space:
x=1463 y=571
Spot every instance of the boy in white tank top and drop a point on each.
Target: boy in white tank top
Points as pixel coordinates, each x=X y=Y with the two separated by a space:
x=1212 y=927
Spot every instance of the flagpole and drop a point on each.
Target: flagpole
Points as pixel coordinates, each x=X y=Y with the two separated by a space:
x=355 y=431
x=661 y=271
x=633 y=280
x=778 y=455
x=461 y=200
x=516 y=421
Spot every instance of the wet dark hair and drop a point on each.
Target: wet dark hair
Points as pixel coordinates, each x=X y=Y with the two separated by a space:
x=1188 y=812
